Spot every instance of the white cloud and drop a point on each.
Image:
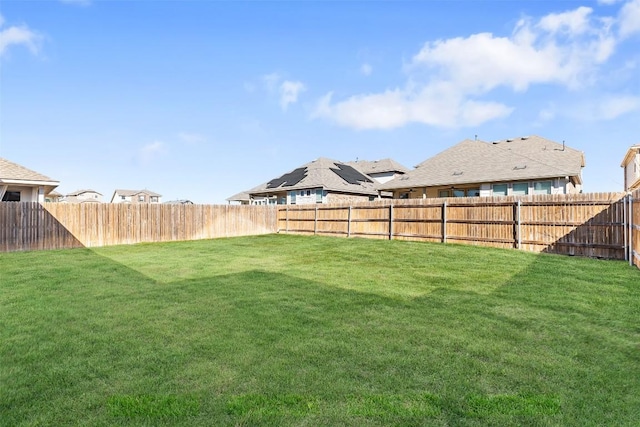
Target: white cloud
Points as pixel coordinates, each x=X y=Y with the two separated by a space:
x=18 y=35
x=448 y=79
x=289 y=91
x=366 y=69
x=573 y=22
x=151 y=151
x=271 y=81
x=630 y=18
x=434 y=105
x=613 y=107
x=191 y=138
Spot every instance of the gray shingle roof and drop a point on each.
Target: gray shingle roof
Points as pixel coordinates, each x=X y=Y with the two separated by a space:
x=79 y=192
x=477 y=162
x=14 y=171
x=378 y=166
x=320 y=174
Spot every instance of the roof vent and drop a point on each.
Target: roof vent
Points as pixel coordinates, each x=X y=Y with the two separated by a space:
x=519 y=167
x=495 y=142
x=457 y=173
x=524 y=138
x=509 y=139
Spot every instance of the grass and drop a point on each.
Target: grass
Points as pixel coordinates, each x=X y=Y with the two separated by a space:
x=290 y=330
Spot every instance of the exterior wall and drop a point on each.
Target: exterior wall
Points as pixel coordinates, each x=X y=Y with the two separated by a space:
x=346 y=198
x=632 y=173
x=28 y=194
x=89 y=195
x=558 y=186
x=384 y=176
x=135 y=199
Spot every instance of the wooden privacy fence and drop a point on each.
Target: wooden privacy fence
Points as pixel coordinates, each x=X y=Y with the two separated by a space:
x=633 y=245
x=34 y=226
x=595 y=225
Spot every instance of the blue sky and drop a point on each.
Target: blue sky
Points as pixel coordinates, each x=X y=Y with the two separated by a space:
x=203 y=99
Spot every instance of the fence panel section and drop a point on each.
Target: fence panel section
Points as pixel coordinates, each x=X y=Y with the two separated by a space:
x=581 y=224
x=634 y=227
x=34 y=226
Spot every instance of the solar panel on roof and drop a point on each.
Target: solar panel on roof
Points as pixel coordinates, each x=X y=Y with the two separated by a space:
x=349 y=174
x=288 y=179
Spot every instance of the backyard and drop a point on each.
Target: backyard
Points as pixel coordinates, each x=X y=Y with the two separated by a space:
x=296 y=330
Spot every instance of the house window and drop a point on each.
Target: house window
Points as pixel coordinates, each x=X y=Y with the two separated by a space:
x=404 y=195
x=520 y=189
x=308 y=192
x=11 y=196
x=318 y=195
x=542 y=187
x=141 y=198
x=154 y=199
x=473 y=192
x=301 y=193
x=443 y=193
x=123 y=198
x=500 y=189
x=282 y=201
x=458 y=193
x=292 y=197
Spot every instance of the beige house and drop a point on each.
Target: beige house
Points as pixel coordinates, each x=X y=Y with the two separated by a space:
x=320 y=181
x=511 y=167
x=135 y=196
x=83 y=196
x=19 y=184
x=631 y=167
x=380 y=170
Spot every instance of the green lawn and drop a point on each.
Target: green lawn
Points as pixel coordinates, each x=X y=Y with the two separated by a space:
x=290 y=330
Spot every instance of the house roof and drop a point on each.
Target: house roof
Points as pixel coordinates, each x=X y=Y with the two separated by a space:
x=79 y=192
x=136 y=192
x=627 y=157
x=243 y=196
x=475 y=162
x=331 y=175
x=13 y=172
x=378 y=166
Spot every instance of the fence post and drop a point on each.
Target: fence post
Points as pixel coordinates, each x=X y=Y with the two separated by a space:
x=349 y=222
x=625 y=228
x=444 y=222
x=315 y=221
x=516 y=226
x=631 y=227
x=390 y=221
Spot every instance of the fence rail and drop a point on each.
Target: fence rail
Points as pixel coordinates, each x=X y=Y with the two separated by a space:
x=34 y=226
x=583 y=224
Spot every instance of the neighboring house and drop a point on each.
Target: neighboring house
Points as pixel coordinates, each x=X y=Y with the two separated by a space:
x=320 y=181
x=519 y=166
x=53 y=197
x=631 y=167
x=83 y=196
x=179 y=202
x=19 y=184
x=242 y=198
x=381 y=170
x=135 y=196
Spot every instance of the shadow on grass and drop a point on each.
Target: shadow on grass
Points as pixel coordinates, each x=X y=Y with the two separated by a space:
x=269 y=348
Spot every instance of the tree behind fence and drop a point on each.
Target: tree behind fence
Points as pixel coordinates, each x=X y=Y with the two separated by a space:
x=34 y=226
